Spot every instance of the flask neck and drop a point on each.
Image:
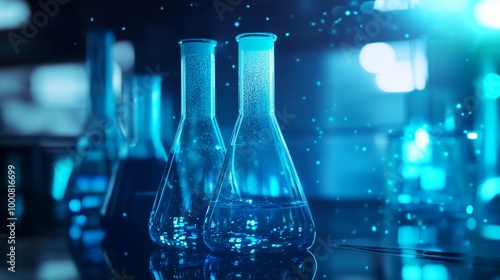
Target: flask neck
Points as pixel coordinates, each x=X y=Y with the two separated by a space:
x=197 y=78
x=145 y=124
x=256 y=74
x=100 y=68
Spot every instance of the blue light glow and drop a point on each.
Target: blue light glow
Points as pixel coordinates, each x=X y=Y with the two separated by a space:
x=62 y=172
x=411 y=271
x=91 y=201
x=57 y=270
x=491 y=86
x=489 y=189
x=377 y=57
x=75 y=205
x=472 y=135
x=434 y=271
x=408 y=235
x=432 y=178
x=13 y=14
x=491 y=232
x=486 y=13
x=124 y=55
x=63 y=85
x=398 y=79
x=404 y=198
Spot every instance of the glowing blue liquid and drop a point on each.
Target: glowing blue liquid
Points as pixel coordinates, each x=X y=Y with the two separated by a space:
x=244 y=227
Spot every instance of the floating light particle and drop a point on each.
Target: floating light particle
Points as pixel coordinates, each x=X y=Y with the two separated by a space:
x=227 y=84
x=313 y=23
x=303 y=98
x=233 y=66
x=364 y=149
x=407 y=35
x=226 y=42
x=236 y=24
x=123 y=28
x=287 y=34
x=318 y=83
x=324 y=13
x=366 y=267
x=369 y=190
x=297 y=59
x=446 y=154
x=355 y=131
x=248 y=6
x=345 y=118
x=322 y=21
x=337 y=21
x=347 y=13
x=390 y=131
x=267 y=18
x=374 y=228
x=313 y=120
x=330 y=119
x=91 y=19
x=469 y=209
x=318 y=162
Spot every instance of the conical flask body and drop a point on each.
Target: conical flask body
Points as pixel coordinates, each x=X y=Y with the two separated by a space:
x=258 y=203
x=195 y=157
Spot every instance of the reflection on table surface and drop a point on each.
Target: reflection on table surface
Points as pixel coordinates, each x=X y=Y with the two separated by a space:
x=355 y=240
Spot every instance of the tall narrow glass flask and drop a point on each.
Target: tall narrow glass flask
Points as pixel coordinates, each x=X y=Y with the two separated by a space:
x=258 y=203
x=97 y=147
x=138 y=171
x=196 y=155
x=96 y=150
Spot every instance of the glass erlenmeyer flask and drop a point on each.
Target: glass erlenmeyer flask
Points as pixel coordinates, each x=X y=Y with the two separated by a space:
x=258 y=203
x=138 y=171
x=196 y=155
x=96 y=150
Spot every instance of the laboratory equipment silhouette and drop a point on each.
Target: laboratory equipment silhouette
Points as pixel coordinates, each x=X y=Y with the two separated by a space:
x=196 y=154
x=258 y=203
x=138 y=171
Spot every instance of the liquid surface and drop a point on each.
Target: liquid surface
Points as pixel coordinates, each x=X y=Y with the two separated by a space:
x=132 y=196
x=253 y=227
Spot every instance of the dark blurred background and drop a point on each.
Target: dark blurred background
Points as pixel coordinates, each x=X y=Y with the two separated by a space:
x=351 y=77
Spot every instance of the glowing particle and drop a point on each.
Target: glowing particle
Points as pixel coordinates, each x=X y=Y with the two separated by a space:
x=248 y=6
x=469 y=209
x=91 y=19
x=374 y=228
x=287 y=34
x=227 y=84
x=236 y=24
x=318 y=83
x=347 y=13
x=267 y=18
x=318 y=162
x=123 y=28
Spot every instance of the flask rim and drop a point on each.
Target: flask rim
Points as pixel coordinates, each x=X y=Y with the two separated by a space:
x=271 y=36
x=197 y=40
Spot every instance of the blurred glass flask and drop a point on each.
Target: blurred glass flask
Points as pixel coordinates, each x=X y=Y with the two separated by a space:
x=137 y=173
x=258 y=203
x=97 y=147
x=196 y=155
